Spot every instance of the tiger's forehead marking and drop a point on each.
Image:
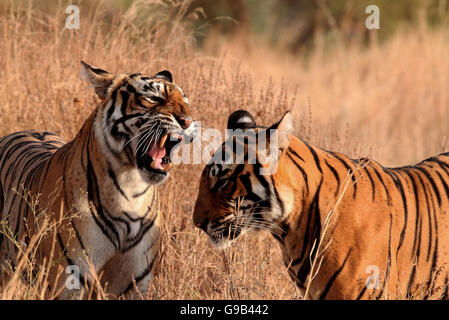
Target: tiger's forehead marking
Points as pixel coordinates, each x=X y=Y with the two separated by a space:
x=155 y=85
x=239 y=149
x=219 y=172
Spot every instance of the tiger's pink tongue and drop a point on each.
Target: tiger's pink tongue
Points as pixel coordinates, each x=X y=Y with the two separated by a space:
x=157 y=153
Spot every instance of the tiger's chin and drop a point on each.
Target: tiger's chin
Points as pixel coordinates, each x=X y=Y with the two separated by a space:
x=150 y=175
x=223 y=240
x=154 y=177
x=221 y=244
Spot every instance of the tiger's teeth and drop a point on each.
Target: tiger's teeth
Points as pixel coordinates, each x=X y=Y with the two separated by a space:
x=160 y=166
x=166 y=166
x=163 y=139
x=153 y=164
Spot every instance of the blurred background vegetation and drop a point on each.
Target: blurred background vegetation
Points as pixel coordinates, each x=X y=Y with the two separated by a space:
x=291 y=25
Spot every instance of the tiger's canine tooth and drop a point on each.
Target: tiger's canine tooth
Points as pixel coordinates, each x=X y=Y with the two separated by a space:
x=163 y=139
x=166 y=166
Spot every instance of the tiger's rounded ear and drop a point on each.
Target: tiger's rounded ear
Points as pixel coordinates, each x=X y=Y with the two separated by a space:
x=241 y=119
x=165 y=74
x=100 y=79
x=284 y=128
x=276 y=140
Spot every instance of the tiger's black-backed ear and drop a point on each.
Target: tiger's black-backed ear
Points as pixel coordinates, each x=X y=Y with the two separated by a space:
x=166 y=75
x=284 y=128
x=277 y=140
x=241 y=119
x=100 y=79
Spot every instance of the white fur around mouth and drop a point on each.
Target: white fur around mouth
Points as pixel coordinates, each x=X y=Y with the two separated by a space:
x=221 y=244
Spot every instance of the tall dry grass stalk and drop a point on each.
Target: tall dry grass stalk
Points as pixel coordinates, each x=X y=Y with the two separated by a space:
x=27 y=277
x=388 y=100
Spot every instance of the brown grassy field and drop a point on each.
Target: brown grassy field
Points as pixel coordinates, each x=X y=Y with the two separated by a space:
x=388 y=101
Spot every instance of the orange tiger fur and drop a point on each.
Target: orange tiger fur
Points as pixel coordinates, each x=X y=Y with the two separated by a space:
x=390 y=220
x=105 y=180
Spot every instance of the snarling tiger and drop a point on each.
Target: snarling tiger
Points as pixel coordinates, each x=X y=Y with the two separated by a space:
x=107 y=175
x=348 y=229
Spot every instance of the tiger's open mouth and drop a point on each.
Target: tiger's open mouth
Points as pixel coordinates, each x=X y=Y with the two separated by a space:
x=156 y=156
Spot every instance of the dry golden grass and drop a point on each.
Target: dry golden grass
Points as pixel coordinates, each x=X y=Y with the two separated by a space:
x=388 y=101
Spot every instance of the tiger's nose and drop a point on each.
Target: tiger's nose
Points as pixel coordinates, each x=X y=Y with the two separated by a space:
x=201 y=223
x=185 y=122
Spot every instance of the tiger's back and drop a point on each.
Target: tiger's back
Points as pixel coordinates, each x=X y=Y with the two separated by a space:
x=23 y=156
x=387 y=232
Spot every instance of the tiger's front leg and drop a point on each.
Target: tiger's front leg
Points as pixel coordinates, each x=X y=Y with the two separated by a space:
x=133 y=267
x=84 y=258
